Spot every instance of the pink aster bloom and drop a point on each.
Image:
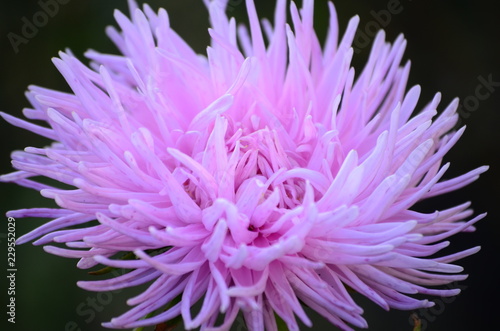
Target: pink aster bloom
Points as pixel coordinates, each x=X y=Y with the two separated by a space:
x=258 y=178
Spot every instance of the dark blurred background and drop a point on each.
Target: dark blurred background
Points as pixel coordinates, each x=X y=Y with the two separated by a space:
x=454 y=47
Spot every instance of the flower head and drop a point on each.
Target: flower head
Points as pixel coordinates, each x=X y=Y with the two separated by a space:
x=259 y=178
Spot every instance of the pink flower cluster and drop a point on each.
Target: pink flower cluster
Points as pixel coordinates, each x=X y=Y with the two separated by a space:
x=261 y=177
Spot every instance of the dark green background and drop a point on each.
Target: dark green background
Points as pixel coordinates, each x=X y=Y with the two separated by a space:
x=451 y=43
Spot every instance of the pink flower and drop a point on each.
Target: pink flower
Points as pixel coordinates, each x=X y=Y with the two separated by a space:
x=255 y=179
